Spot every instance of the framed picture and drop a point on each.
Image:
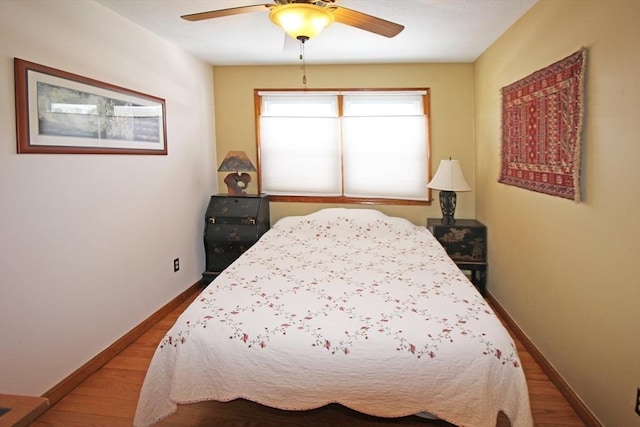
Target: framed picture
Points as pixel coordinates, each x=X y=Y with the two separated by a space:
x=64 y=113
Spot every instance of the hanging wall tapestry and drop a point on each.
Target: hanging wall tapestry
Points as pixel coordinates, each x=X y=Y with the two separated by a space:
x=542 y=127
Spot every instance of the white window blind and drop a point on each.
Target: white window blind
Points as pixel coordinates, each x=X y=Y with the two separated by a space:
x=384 y=145
x=300 y=145
x=377 y=149
x=300 y=155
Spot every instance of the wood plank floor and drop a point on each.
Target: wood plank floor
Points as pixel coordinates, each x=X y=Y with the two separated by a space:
x=109 y=397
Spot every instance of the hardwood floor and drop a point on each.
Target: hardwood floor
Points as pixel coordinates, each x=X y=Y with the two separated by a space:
x=108 y=398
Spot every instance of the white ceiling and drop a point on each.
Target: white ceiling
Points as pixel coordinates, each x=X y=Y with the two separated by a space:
x=435 y=31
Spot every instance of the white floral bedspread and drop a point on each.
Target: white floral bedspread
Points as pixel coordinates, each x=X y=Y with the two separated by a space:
x=348 y=306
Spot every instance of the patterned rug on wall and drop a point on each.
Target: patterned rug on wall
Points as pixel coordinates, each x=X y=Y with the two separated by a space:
x=541 y=129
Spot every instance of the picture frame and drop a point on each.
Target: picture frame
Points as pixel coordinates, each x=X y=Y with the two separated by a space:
x=58 y=112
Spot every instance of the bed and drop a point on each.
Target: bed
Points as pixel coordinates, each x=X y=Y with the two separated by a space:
x=347 y=306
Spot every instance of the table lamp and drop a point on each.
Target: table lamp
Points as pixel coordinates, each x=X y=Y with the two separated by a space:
x=448 y=179
x=236 y=162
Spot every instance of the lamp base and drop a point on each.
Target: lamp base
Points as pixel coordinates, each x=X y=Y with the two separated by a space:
x=237 y=183
x=448 y=206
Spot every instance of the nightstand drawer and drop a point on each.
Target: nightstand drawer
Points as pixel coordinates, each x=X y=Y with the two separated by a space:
x=219 y=260
x=217 y=248
x=232 y=233
x=227 y=220
x=464 y=241
x=466 y=244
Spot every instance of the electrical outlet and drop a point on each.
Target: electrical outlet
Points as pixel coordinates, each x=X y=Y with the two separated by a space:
x=176 y=264
x=638 y=401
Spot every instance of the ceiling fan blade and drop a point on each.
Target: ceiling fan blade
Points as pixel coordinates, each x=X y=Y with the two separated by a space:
x=226 y=12
x=366 y=22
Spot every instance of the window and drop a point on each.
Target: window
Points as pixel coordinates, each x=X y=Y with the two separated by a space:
x=344 y=146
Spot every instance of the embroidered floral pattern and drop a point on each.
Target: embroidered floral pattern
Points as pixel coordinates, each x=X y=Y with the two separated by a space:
x=338 y=285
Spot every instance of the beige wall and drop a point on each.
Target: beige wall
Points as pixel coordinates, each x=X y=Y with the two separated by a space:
x=451 y=125
x=569 y=273
x=87 y=242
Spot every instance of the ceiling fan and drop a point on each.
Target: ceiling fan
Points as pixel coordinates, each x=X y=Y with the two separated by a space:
x=304 y=19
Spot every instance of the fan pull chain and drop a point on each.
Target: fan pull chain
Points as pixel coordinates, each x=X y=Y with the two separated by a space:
x=304 y=65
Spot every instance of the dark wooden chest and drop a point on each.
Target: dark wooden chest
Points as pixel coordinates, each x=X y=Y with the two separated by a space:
x=466 y=240
x=232 y=225
x=466 y=244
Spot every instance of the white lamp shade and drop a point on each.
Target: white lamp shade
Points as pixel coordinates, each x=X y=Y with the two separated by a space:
x=449 y=177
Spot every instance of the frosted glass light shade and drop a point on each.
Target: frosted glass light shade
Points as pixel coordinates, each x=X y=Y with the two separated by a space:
x=449 y=177
x=301 y=20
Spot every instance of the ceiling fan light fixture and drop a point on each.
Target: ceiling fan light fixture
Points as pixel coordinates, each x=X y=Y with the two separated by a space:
x=301 y=21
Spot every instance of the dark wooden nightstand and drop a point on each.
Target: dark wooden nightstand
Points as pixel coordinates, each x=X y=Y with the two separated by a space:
x=232 y=225
x=466 y=243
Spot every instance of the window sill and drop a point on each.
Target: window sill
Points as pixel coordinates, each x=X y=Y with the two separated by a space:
x=348 y=200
